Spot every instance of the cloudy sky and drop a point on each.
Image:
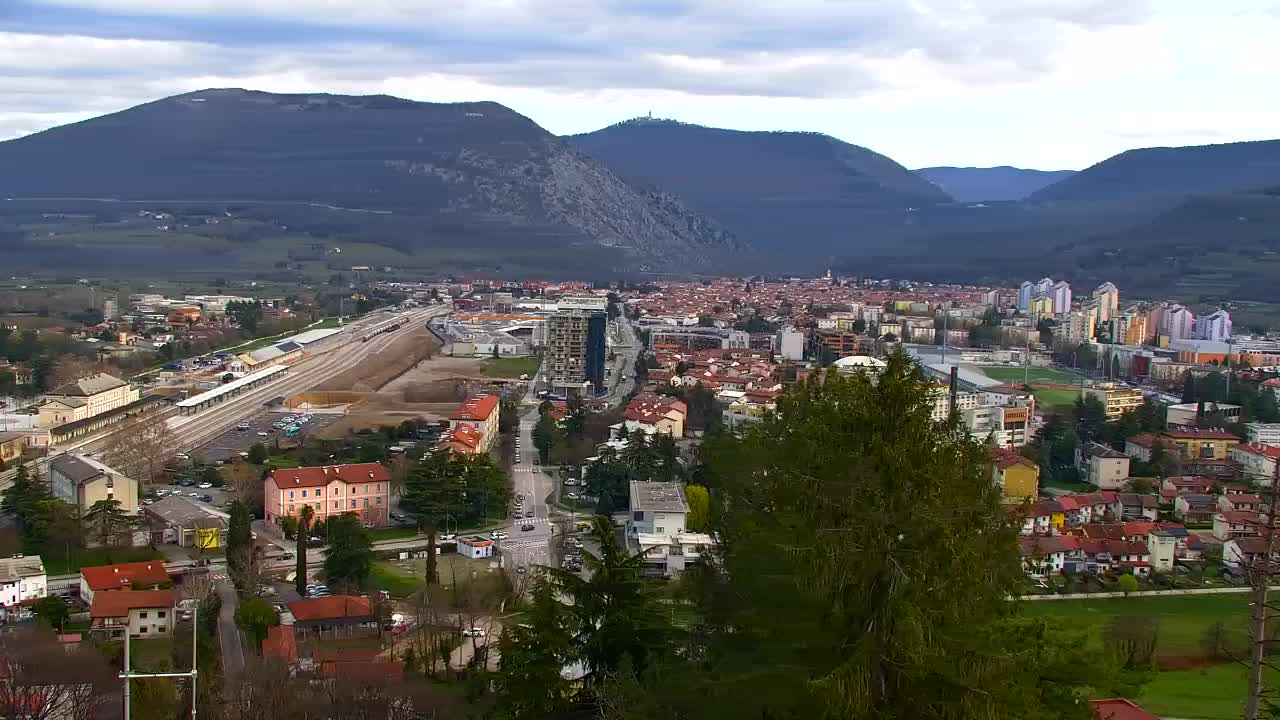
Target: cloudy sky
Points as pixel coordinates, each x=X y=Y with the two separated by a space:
x=1035 y=83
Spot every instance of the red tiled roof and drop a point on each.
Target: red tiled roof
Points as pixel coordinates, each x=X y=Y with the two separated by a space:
x=124 y=575
x=1146 y=440
x=281 y=643
x=119 y=603
x=1094 y=546
x=464 y=436
x=1259 y=449
x=323 y=475
x=1242 y=517
x=1050 y=545
x=1005 y=459
x=478 y=408
x=371 y=671
x=330 y=608
x=1242 y=499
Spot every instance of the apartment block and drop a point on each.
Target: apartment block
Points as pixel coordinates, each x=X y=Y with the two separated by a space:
x=575 y=350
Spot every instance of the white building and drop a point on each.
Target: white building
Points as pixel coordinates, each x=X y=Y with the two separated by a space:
x=22 y=580
x=475 y=547
x=656 y=525
x=1061 y=292
x=791 y=344
x=1178 y=323
x=1264 y=433
x=1215 y=326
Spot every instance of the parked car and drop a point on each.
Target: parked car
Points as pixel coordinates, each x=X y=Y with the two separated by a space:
x=398 y=517
x=263 y=434
x=495 y=535
x=529 y=514
x=242 y=427
x=286 y=556
x=472 y=632
x=207 y=498
x=520 y=570
x=205 y=486
x=526 y=528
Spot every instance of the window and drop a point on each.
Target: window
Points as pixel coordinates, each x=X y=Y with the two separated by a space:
x=366 y=502
x=366 y=489
x=142 y=630
x=638 y=516
x=290 y=508
x=353 y=503
x=290 y=494
x=142 y=615
x=378 y=501
x=160 y=628
x=659 y=530
x=335 y=504
x=304 y=493
x=160 y=614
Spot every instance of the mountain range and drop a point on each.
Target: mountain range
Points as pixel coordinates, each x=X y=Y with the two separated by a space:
x=258 y=180
x=987 y=184
x=418 y=177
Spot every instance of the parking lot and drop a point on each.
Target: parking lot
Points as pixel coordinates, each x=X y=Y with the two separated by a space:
x=218 y=497
x=259 y=427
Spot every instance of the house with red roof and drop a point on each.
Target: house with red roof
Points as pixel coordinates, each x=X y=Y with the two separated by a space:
x=330 y=490
x=1195 y=508
x=331 y=613
x=481 y=413
x=654 y=414
x=141 y=613
x=463 y=439
x=144 y=575
x=1241 y=501
x=1139 y=446
x=1238 y=523
x=1257 y=461
x=1243 y=552
x=281 y=643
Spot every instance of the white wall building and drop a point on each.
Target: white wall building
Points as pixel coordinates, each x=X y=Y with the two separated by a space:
x=1215 y=326
x=1178 y=323
x=1061 y=293
x=22 y=579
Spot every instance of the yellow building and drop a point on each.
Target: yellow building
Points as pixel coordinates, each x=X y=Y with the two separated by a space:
x=1117 y=400
x=85 y=398
x=1017 y=477
x=1195 y=444
x=1041 y=308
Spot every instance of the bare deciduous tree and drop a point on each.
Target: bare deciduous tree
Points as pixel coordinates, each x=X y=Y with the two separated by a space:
x=142 y=447
x=42 y=680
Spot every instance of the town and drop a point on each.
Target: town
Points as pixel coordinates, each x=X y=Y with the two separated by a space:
x=310 y=497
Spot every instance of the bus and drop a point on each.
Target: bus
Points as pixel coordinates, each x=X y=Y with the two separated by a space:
x=292 y=430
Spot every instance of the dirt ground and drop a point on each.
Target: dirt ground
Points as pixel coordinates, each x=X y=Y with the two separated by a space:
x=381 y=368
x=429 y=389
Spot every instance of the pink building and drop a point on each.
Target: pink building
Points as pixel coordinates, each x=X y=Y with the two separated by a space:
x=330 y=490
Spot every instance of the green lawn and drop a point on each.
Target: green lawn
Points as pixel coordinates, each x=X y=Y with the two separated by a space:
x=1211 y=693
x=1055 y=398
x=1183 y=619
x=151 y=654
x=400 y=583
x=511 y=367
x=1033 y=375
x=58 y=563
x=392 y=533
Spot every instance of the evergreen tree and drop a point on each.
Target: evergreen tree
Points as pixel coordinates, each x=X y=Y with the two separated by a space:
x=429 y=493
x=532 y=654
x=239 y=543
x=544 y=436
x=349 y=558
x=865 y=567
x=107 y=520
x=1188 y=387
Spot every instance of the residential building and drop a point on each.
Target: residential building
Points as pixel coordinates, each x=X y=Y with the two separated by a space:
x=1178 y=323
x=281 y=644
x=330 y=490
x=1061 y=294
x=1264 y=433
x=1073 y=553
x=1017 y=477
x=1241 y=553
x=1215 y=326
x=1195 y=508
x=652 y=414
x=1116 y=399
x=1041 y=308
x=22 y=581
x=1107 y=296
x=1257 y=461
x=12 y=445
x=1200 y=444
x=1231 y=524
x=667 y=555
x=81 y=481
x=838 y=343
x=476 y=547
x=141 y=613
x=1163 y=545
x=1101 y=466
x=144 y=575
x=1005 y=425
x=463 y=439
x=657 y=508
x=1139 y=446
x=1135 y=506
x=480 y=412
x=1025 y=291
x=575 y=350
x=1241 y=501
x=85 y=398
x=791 y=344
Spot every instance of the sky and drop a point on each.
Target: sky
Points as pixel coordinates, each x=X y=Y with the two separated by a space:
x=1047 y=84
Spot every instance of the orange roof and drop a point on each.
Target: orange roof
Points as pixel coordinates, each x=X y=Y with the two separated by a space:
x=1200 y=434
x=477 y=408
x=1005 y=459
x=475 y=542
x=281 y=643
x=1260 y=449
x=124 y=575
x=323 y=475
x=119 y=603
x=330 y=608
x=464 y=437
x=1119 y=709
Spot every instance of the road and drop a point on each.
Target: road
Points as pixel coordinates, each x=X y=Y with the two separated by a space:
x=529 y=547
x=228 y=633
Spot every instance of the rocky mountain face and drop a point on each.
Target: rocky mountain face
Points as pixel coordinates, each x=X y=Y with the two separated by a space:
x=422 y=173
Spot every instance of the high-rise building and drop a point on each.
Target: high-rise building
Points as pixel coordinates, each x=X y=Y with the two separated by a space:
x=1044 y=286
x=110 y=309
x=1215 y=326
x=1025 y=291
x=1108 y=299
x=1061 y=292
x=575 y=349
x=1179 y=323
x=1041 y=307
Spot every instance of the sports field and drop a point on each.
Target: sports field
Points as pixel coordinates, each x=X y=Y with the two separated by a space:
x=1033 y=375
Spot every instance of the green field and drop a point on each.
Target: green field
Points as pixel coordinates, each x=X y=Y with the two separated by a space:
x=1211 y=693
x=1183 y=619
x=511 y=367
x=400 y=583
x=1017 y=375
x=392 y=533
x=1055 y=398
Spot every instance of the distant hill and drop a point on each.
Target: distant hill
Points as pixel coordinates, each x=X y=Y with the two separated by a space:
x=1004 y=183
x=803 y=195
x=1171 y=171
x=414 y=176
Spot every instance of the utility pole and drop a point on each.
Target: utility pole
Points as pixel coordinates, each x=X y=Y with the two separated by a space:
x=127 y=674
x=1260 y=572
